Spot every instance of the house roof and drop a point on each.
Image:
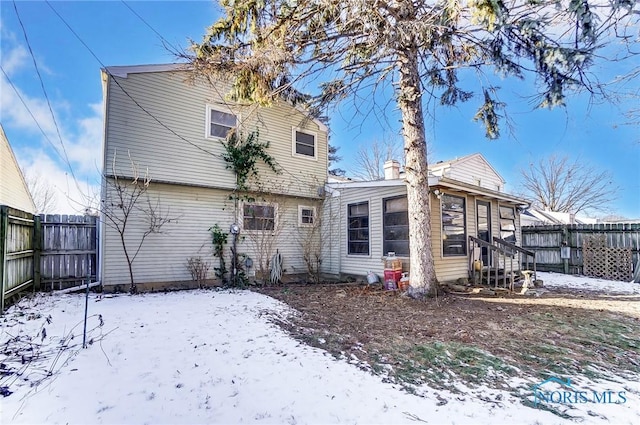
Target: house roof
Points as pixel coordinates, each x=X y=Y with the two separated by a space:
x=455 y=185
x=536 y=216
x=457 y=161
x=436 y=182
x=124 y=71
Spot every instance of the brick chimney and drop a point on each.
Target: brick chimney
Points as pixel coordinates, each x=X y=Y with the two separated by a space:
x=391 y=169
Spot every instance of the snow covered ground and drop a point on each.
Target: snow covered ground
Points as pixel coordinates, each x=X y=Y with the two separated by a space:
x=583 y=283
x=213 y=357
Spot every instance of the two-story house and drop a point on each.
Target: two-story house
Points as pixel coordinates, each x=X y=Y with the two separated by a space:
x=467 y=199
x=170 y=127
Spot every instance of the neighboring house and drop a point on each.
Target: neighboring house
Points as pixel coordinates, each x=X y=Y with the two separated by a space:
x=13 y=187
x=172 y=128
x=467 y=199
x=536 y=217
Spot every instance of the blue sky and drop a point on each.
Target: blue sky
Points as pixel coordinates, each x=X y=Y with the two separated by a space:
x=71 y=77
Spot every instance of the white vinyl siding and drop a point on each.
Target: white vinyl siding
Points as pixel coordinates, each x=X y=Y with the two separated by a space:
x=475 y=170
x=13 y=188
x=167 y=137
x=331 y=232
x=163 y=257
x=361 y=264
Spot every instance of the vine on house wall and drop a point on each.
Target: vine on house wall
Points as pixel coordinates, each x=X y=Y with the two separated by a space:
x=242 y=157
x=219 y=240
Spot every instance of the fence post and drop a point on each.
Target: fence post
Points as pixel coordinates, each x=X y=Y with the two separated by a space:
x=4 y=224
x=565 y=242
x=37 y=249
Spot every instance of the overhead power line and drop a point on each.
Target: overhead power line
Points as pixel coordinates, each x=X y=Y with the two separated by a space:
x=46 y=96
x=15 y=89
x=151 y=115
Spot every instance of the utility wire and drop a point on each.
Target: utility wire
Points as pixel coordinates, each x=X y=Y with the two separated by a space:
x=46 y=96
x=15 y=89
x=152 y=116
x=164 y=40
x=123 y=89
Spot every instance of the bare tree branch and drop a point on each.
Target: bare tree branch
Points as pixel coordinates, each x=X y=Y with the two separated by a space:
x=561 y=185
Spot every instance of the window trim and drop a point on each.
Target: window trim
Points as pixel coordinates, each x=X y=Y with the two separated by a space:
x=294 y=141
x=207 y=123
x=384 y=214
x=314 y=215
x=357 y=255
x=263 y=204
x=466 y=227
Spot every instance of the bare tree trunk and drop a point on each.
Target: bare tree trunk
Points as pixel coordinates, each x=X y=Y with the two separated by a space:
x=422 y=272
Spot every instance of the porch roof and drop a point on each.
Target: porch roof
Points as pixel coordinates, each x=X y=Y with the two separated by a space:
x=458 y=186
x=438 y=183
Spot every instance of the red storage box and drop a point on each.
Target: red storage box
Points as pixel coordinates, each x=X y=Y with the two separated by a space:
x=394 y=275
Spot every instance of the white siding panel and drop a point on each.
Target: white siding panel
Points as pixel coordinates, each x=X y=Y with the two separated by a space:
x=161 y=122
x=331 y=235
x=163 y=257
x=450 y=267
x=13 y=188
x=475 y=169
x=361 y=264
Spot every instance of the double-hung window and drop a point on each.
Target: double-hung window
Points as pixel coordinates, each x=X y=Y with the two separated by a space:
x=304 y=144
x=306 y=216
x=454 y=227
x=258 y=216
x=219 y=123
x=358 y=228
x=395 y=226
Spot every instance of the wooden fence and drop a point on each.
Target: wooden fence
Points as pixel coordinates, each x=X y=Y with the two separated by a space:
x=45 y=252
x=17 y=252
x=547 y=242
x=69 y=250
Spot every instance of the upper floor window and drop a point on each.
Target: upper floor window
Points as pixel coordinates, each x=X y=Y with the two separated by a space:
x=219 y=123
x=306 y=216
x=304 y=144
x=454 y=225
x=256 y=216
x=358 y=228
x=507 y=224
x=395 y=226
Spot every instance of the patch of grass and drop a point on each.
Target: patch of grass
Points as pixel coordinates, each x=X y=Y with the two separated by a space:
x=464 y=340
x=442 y=362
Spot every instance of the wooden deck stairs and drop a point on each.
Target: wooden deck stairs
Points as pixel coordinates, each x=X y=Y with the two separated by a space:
x=507 y=266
